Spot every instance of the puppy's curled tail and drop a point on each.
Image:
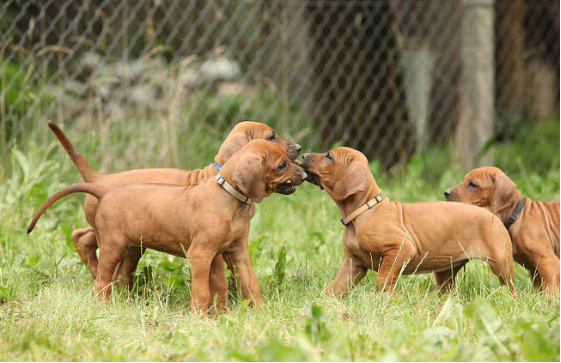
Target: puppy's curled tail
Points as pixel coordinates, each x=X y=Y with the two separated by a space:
x=94 y=189
x=85 y=170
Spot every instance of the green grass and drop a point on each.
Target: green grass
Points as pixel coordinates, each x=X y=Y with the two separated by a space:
x=47 y=313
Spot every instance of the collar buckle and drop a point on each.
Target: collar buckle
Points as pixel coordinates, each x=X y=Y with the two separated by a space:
x=512 y=219
x=368 y=205
x=230 y=189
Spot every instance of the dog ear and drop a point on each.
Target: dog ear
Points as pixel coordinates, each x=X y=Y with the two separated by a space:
x=250 y=177
x=504 y=194
x=352 y=181
x=230 y=146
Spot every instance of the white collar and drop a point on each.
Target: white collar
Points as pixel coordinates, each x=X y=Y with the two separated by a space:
x=230 y=189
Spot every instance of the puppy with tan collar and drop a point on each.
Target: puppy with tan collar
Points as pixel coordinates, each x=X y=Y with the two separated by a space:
x=200 y=221
x=84 y=239
x=533 y=225
x=392 y=237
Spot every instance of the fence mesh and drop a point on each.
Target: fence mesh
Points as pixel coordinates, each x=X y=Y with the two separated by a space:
x=388 y=77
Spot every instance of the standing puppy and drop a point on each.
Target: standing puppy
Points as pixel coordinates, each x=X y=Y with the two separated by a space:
x=533 y=225
x=393 y=237
x=200 y=221
x=84 y=239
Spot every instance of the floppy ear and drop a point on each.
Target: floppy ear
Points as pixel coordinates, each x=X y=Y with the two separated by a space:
x=229 y=147
x=353 y=180
x=504 y=193
x=250 y=177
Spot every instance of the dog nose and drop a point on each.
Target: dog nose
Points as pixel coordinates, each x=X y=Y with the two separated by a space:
x=298 y=147
x=447 y=193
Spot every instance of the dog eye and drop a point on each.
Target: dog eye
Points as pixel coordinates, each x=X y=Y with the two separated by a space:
x=282 y=166
x=328 y=156
x=472 y=185
x=273 y=137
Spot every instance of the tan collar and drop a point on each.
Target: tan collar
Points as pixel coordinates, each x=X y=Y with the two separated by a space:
x=371 y=203
x=230 y=189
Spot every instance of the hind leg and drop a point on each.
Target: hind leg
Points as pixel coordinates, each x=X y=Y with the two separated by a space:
x=125 y=269
x=112 y=250
x=500 y=257
x=447 y=278
x=85 y=243
x=504 y=269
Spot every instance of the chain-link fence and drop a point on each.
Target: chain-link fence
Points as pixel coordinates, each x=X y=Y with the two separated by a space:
x=388 y=77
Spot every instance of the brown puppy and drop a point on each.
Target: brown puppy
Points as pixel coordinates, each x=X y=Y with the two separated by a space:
x=535 y=229
x=394 y=237
x=200 y=221
x=85 y=240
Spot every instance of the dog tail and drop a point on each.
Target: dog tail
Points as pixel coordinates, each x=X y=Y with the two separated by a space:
x=94 y=189
x=85 y=170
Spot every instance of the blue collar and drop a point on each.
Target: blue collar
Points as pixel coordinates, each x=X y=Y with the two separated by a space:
x=217 y=166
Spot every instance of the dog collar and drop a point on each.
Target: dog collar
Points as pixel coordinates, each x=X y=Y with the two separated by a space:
x=217 y=166
x=371 y=203
x=230 y=189
x=514 y=214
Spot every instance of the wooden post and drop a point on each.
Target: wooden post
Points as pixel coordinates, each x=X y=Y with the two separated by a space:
x=510 y=57
x=476 y=112
x=417 y=62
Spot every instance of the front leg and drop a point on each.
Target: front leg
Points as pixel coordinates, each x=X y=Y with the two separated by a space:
x=535 y=278
x=243 y=271
x=548 y=272
x=230 y=264
x=350 y=273
x=218 y=285
x=447 y=278
x=200 y=260
x=392 y=263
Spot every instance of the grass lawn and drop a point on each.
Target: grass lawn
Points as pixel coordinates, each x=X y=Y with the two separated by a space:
x=47 y=313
